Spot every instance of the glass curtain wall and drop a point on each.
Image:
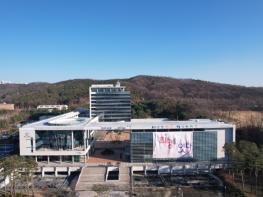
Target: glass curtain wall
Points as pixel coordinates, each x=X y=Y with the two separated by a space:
x=205 y=146
x=59 y=140
x=141 y=146
x=78 y=139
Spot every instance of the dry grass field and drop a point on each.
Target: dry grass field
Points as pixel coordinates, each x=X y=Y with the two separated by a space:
x=242 y=118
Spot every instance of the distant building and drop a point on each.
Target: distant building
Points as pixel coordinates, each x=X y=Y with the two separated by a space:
x=50 y=108
x=8 y=107
x=5 y=82
x=111 y=103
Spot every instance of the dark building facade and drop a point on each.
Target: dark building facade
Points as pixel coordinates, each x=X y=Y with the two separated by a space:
x=111 y=102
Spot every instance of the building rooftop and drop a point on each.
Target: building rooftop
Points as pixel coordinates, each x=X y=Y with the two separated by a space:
x=102 y=86
x=72 y=120
x=140 y=124
x=66 y=121
x=117 y=85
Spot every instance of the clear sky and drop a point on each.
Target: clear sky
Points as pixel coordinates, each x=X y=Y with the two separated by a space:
x=54 y=40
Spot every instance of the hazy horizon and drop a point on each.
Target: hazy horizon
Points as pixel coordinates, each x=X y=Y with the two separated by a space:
x=106 y=79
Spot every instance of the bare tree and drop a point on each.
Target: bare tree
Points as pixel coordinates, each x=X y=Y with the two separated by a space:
x=18 y=169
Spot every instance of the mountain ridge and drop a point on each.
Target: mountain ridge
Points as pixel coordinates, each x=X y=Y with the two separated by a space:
x=144 y=88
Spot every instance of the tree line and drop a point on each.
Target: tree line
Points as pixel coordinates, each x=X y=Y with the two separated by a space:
x=246 y=158
x=20 y=172
x=200 y=93
x=174 y=110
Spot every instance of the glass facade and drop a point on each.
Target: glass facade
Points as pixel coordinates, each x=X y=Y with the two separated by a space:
x=78 y=139
x=204 y=146
x=59 y=140
x=66 y=159
x=141 y=146
x=229 y=135
x=76 y=158
x=54 y=159
x=114 y=104
x=42 y=158
x=63 y=158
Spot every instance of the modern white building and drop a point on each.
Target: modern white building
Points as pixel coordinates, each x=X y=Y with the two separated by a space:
x=64 y=138
x=68 y=138
x=111 y=102
x=157 y=140
x=160 y=140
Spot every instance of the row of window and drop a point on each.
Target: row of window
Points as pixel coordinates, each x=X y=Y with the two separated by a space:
x=111 y=103
x=75 y=158
x=109 y=95
x=110 y=107
x=99 y=90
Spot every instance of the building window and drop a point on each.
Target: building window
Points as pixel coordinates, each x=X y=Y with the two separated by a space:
x=78 y=139
x=32 y=148
x=59 y=140
x=76 y=158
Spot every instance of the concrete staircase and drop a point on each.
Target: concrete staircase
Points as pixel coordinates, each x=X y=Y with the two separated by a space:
x=124 y=178
x=124 y=174
x=90 y=176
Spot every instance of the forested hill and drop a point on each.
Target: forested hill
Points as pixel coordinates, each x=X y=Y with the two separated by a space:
x=146 y=90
